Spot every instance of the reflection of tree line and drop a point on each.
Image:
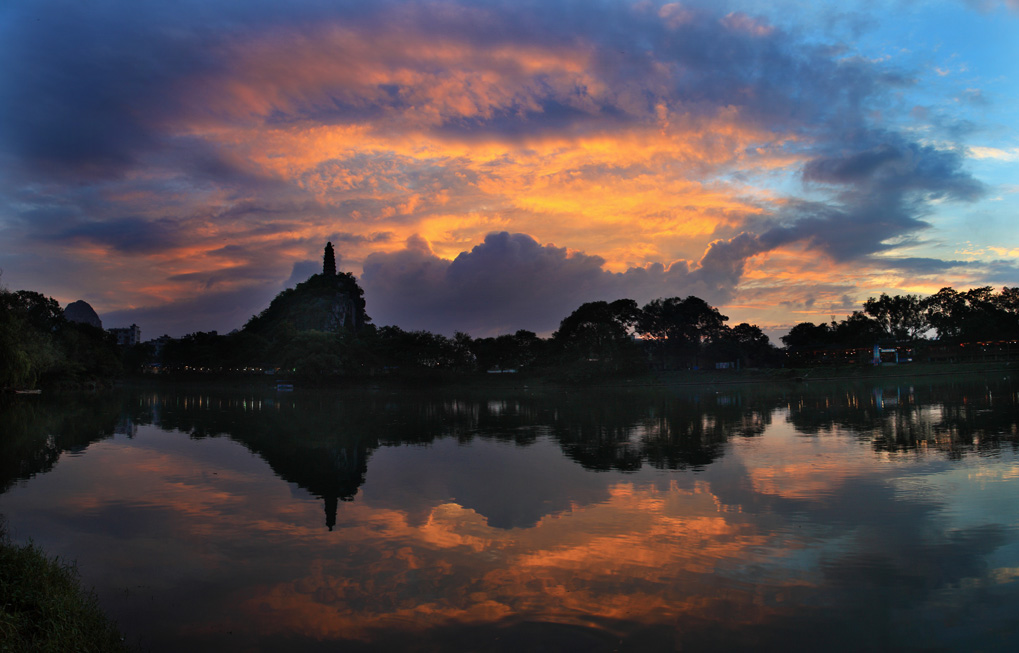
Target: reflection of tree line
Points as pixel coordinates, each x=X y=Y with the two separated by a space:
x=322 y=442
x=953 y=416
x=624 y=431
x=34 y=432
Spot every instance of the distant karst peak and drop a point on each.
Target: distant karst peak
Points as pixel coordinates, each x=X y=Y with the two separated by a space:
x=82 y=311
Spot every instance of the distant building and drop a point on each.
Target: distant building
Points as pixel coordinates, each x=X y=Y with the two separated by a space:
x=158 y=344
x=127 y=336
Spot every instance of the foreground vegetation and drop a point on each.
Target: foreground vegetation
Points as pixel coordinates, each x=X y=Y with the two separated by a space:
x=44 y=608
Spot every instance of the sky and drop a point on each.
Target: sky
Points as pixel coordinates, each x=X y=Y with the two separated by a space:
x=490 y=166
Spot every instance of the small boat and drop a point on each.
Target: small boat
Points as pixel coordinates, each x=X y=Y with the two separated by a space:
x=28 y=392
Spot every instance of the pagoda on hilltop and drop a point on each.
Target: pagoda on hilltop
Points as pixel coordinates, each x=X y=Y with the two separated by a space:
x=331 y=301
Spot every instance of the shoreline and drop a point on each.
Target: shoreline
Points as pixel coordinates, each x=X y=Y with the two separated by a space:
x=45 y=606
x=548 y=379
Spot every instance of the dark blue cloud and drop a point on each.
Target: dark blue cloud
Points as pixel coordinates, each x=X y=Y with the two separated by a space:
x=894 y=167
x=125 y=235
x=512 y=282
x=921 y=265
x=881 y=188
x=227 y=276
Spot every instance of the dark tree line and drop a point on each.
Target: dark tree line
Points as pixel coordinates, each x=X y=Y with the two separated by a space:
x=599 y=337
x=320 y=331
x=948 y=317
x=664 y=334
x=615 y=337
x=38 y=347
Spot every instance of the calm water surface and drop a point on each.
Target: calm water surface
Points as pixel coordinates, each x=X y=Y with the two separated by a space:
x=838 y=517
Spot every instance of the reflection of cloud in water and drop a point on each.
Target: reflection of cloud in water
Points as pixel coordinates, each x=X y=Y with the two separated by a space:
x=794 y=466
x=832 y=532
x=643 y=556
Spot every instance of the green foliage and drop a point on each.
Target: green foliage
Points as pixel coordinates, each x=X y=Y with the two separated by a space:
x=597 y=338
x=399 y=349
x=744 y=343
x=39 y=347
x=808 y=334
x=596 y=324
x=318 y=356
x=858 y=330
x=44 y=608
x=689 y=321
x=974 y=323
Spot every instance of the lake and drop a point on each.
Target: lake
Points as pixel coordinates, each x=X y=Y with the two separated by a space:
x=879 y=515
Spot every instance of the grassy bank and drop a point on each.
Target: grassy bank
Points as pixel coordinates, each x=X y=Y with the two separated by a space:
x=43 y=606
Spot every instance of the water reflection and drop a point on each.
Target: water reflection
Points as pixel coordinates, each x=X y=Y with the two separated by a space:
x=947 y=415
x=846 y=516
x=36 y=433
x=322 y=442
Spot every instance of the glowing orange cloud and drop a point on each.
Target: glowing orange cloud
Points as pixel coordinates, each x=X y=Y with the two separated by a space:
x=552 y=571
x=645 y=555
x=631 y=193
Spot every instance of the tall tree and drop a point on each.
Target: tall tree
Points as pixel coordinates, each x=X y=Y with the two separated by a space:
x=689 y=321
x=808 y=334
x=329 y=261
x=678 y=330
x=902 y=317
x=858 y=330
x=745 y=343
x=596 y=327
x=600 y=333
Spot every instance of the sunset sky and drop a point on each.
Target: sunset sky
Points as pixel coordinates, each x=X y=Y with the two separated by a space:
x=490 y=166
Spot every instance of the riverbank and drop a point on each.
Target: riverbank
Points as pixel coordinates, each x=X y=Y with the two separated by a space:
x=550 y=378
x=43 y=606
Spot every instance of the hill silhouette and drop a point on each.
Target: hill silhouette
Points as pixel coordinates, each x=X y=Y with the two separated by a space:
x=331 y=303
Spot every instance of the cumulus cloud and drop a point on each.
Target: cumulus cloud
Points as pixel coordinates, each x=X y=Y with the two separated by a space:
x=511 y=281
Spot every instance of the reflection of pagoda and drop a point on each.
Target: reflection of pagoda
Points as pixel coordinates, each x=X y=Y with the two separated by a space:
x=319 y=446
x=332 y=472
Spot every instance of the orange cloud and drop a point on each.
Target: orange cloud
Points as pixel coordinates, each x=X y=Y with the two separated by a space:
x=585 y=566
x=630 y=192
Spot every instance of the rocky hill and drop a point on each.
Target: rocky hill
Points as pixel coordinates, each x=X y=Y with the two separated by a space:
x=322 y=303
x=82 y=311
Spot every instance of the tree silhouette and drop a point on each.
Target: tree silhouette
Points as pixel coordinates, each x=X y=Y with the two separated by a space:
x=901 y=317
x=329 y=261
x=678 y=329
x=596 y=327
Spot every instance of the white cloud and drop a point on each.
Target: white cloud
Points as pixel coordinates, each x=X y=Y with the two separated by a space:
x=980 y=152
